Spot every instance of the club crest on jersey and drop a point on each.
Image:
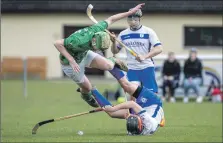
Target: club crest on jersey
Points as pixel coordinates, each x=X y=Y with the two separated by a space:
x=143 y=100
x=141 y=35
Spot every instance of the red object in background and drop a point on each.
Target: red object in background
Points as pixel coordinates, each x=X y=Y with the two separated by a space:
x=217 y=91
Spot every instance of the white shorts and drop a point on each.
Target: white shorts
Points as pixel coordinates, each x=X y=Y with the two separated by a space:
x=86 y=62
x=151 y=118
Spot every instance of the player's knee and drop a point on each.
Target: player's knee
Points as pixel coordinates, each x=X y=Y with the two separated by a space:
x=109 y=65
x=126 y=87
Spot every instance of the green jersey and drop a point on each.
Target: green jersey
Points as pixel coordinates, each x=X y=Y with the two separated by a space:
x=78 y=43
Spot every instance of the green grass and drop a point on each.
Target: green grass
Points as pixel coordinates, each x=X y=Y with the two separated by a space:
x=184 y=122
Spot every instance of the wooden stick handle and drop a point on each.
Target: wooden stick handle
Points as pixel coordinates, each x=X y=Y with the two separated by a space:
x=78 y=114
x=130 y=50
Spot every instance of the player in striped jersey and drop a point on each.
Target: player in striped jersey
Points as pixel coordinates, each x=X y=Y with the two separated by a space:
x=144 y=41
x=148 y=108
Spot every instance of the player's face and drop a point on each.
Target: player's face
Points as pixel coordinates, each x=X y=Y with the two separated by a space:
x=133 y=22
x=171 y=58
x=193 y=56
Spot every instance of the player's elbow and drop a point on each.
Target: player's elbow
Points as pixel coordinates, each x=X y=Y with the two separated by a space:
x=58 y=43
x=160 y=49
x=111 y=114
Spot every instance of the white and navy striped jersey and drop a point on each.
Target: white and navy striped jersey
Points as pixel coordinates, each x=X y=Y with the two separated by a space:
x=141 y=41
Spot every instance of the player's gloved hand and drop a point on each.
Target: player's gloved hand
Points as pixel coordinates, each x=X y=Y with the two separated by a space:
x=135 y=9
x=112 y=36
x=108 y=108
x=74 y=65
x=140 y=58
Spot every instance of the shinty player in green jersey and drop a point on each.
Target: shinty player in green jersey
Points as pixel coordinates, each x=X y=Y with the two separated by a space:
x=76 y=53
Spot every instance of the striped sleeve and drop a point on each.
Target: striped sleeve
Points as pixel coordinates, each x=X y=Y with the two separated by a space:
x=154 y=40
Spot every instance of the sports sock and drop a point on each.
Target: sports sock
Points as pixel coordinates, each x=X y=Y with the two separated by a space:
x=86 y=94
x=117 y=73
x=102 y=101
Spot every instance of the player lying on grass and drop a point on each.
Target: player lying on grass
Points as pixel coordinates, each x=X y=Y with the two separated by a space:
x=149 y=114
x=76 y=53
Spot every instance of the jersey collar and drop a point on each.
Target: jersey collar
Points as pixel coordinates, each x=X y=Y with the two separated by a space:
x=135 y=29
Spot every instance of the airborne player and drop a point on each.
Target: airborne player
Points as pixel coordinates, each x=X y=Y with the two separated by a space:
x=76 y=53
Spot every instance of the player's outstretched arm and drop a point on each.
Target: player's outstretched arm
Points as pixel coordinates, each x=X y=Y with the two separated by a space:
x=119 y=16
x=60 y=47
x=114 y=48
x=124 y=105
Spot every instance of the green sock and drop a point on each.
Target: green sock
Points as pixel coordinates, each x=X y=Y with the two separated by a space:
x=86 y=95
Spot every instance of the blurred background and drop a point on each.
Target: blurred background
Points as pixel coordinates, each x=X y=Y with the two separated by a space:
x=29 y=28
x=34 y=88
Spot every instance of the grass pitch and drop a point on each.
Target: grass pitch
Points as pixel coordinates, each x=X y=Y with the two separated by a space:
x=184 y=122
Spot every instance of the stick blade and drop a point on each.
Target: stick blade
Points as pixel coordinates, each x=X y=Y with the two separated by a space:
x=89 y=9
x=90 y=6
x=40 y=124
x=34 y=130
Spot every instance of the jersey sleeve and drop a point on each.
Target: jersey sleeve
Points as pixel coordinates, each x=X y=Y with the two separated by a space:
x=71 y=41
x=100 y=26
x=154 y=40
x=84 y=35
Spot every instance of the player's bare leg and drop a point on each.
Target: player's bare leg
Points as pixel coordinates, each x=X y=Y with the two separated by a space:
x=85 y=86
x=102 y=101
x=128 y=86
x=85 y=89
x=102 y=63
x=99 y=62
